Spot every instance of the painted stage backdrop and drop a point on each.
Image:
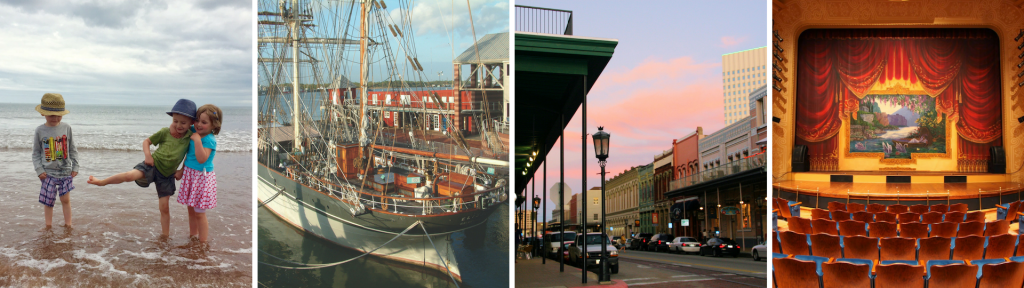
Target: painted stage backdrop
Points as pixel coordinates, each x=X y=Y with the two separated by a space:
x=897 y=125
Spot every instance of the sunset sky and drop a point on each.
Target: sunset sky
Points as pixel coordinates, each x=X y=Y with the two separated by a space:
x=664 y=80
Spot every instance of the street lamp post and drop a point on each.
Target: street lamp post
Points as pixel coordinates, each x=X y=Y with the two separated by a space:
x=601 y=151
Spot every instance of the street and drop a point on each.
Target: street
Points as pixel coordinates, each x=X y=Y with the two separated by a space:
x=659 y=269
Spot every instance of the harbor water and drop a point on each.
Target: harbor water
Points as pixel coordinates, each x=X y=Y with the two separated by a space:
x=482 y=253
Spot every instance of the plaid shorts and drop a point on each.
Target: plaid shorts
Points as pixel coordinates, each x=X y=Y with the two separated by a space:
x=51 y=186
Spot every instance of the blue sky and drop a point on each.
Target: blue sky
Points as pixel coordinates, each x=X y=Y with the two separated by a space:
x=664 y=80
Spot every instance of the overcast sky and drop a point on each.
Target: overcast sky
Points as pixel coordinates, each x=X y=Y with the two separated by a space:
x=133 y=51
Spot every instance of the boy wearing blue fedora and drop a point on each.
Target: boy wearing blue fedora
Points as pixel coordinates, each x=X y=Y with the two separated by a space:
x=159 y=166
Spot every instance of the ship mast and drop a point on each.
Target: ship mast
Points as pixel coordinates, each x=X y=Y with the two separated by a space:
x=362 y=76
x=296 y=143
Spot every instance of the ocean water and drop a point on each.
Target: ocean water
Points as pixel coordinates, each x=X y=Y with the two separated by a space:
x=115 y=239
x=117 y=127
x=482 y=254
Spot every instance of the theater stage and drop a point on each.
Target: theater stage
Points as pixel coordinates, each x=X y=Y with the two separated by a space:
x=977 y=190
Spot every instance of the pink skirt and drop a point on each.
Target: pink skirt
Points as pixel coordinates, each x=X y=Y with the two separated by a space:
x=198 y=189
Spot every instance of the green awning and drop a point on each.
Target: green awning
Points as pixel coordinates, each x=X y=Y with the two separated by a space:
x=549 y=76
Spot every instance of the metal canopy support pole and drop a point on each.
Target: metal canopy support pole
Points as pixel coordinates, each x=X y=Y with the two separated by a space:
x=583 y=220
x=561 y=193
x=544 y=226
x=605 y=277
x=705 y=214
x=533 y=216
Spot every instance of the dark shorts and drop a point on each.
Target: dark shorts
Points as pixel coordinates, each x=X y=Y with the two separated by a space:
x=164 y=184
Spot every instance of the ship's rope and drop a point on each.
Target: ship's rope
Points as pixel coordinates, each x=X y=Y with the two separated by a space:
x=307 y=266
x=271 y=199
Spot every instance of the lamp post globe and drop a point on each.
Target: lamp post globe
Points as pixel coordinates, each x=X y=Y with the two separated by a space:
x=601 y=144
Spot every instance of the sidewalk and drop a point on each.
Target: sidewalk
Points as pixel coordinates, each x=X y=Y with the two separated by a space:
x=531 y=273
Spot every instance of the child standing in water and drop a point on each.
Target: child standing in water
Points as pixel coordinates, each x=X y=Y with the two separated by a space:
x=159 y=167
x=198 y=182
x=55 y=157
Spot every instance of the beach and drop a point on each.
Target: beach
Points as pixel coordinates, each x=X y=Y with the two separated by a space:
x=115 y=239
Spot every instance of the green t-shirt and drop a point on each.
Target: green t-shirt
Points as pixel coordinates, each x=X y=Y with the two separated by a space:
x=169 y=150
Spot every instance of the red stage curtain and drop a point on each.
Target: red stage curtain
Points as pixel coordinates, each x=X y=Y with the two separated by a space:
x=957 y=66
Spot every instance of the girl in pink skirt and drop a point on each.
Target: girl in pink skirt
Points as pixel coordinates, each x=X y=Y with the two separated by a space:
x=198 y=181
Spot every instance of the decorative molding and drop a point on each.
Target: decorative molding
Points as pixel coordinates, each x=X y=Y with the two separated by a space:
x=897 y=169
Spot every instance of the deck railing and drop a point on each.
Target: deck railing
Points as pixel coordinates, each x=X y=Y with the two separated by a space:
x=543 y=20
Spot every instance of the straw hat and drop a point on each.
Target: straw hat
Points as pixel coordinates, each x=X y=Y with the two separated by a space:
x=52 y=105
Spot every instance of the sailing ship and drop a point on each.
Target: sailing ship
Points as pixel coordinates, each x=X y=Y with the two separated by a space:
x=331 y=165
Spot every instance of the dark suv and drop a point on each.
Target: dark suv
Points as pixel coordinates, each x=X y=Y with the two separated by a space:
x=720 y=247
x=640 y=241
x=659 y=242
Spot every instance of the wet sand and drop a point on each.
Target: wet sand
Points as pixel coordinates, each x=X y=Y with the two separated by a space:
x=115 y=240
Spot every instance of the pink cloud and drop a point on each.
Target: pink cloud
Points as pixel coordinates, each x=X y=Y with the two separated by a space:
x=729 y=41
x=651 y=70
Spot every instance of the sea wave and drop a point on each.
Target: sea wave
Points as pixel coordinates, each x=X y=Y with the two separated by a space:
x=227 y=141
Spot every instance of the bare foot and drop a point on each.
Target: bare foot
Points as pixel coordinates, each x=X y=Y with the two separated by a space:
x=93 y=181
x=47 y=228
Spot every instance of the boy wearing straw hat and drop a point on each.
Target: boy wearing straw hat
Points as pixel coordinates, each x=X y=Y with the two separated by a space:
x=55 y=157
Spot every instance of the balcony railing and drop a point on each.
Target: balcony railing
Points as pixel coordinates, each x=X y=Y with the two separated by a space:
x=543 y=20
x=469 y=105
x=756 y=161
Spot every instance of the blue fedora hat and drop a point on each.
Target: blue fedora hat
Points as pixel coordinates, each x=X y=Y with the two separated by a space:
x=184 y=107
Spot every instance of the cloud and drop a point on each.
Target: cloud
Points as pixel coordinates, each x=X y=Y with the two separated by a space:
x=442 y=18
x=148 y=49
x=729 y=41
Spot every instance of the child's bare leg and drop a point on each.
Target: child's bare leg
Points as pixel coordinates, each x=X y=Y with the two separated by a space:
x=165 y=215
x=204 y=227
x=65 y=204
x=117 y=179
x=193 y=228
x=48 y=214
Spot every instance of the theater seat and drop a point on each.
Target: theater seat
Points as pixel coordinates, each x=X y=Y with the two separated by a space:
x=860 y=247
x=913 y=230
x=931 y=217
x=836 y=206
x=944 y=229
x=882 y=229
x=897 y=248
x=951 y=273
x=885 y=217
x=790 y=272
x=959 y=207
x=997 y=227
x=863 y=216
x=800 y=225
x=852 y=228
x=896 y=275
x=908 y=217
x=794 y=243
x=1003 y=274
x=1000 y=246
x=971 y=228
x=826 y=245
x=845 y=274
x=824 y=226
x=953 y=217
x=840 y=215
x=820 y=214
x=898 y=208
x=941 y=208
x=933 y=248
x=919 y=208
x=854 y=207
x=776 y=246
x=968 y=248
x=875 y=208
x=975 y=216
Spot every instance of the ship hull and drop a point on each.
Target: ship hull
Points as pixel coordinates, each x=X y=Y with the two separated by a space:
x=309 y=216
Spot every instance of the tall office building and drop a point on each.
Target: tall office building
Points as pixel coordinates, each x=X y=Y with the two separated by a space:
x=742 y=73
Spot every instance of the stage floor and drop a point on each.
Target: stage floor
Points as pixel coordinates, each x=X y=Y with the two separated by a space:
x=981 y=191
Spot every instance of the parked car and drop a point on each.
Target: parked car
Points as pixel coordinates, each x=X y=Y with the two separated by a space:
x=593 y=251
x=628 y=243
x=616 y=242
x=758 y=250
x=553 y=241
x=684 y=245
x=640 y=241
x=659 y=242
x=719 y=247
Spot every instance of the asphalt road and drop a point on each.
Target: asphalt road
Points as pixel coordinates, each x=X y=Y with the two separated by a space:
x=660 y=269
